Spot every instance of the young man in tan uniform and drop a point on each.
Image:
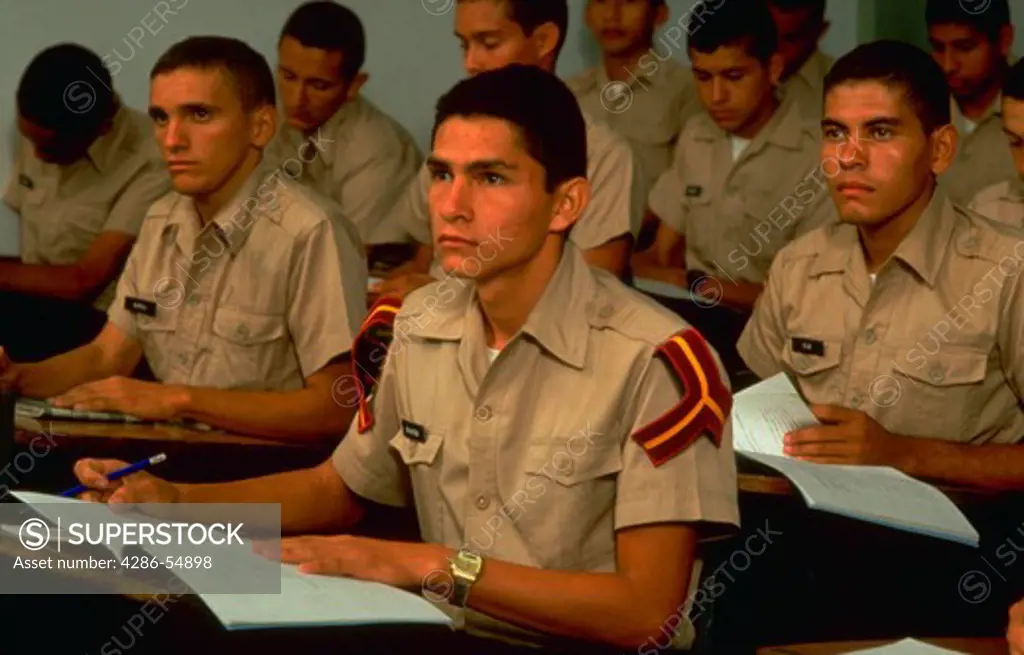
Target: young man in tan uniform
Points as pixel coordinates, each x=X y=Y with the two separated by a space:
x=801 y=25
x=84 y=174
x=495 y=33
x=564 y=441
x=638 y=89
x=331 y=138
x=925 y=309
x=243 y=291
x=1004 y=201
x=973 y=48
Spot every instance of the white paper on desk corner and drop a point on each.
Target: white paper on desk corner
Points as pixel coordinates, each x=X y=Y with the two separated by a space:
x=47 y=506
x=907 y=647
x=763 y=413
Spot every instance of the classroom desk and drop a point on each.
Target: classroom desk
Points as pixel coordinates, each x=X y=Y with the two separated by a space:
x=992 y=646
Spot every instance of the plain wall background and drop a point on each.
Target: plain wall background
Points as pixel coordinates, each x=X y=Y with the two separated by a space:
x=412 y=55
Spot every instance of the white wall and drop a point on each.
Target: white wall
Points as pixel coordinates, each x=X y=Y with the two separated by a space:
x=412 y=59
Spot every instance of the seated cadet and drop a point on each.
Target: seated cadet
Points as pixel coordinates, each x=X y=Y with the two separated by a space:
x=972 y=47
x=332 y=138
x=495 y=33
x=84 y=174
x=801 y=25
x=243 y=292
x=1004 y=201
x=644 y=95
x=904 y=323
x=1015 y=630
x=538 y=381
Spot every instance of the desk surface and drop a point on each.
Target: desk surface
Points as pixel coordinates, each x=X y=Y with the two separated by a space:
x=969 y=646
x=27 y=428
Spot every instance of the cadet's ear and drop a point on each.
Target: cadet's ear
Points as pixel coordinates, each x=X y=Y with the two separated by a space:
x=264 y=125
x=944 y=143
x=355 y=85
x=571 y=199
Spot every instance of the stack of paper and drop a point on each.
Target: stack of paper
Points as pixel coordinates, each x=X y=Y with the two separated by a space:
x=764 y=413
x=908 y=647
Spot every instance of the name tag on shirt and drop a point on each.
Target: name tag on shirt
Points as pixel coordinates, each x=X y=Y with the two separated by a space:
x=414 y=431
x=809 y=346
x=140 y=306
x=694 y=191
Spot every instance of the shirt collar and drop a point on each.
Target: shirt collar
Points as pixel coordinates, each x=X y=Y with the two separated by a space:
x=559 y=323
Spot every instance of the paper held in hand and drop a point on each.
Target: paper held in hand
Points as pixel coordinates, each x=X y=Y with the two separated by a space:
x=764 y=413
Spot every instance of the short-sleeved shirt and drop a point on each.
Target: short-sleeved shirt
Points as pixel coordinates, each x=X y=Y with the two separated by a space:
x=361 y=158
x=1003 y=202
x=649 y=109
x=616 y=206
x=63 y=209
x=931 y=349
x=806 y=87
x=530 y=459
x=737 y=214
x=266 y=294
x=983 y=155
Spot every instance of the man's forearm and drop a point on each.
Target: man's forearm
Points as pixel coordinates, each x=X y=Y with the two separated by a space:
x=306 y=414
x=65 y=282
x=312 y=500
x=58 y=374
x=741 y=295
x=996 y=467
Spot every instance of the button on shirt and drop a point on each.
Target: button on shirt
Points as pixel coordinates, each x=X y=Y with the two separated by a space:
x=932 y=349
x=529 y=459
x=983 y=155
x=1003 y=202
x=737 y=213
x=63 y=209
x=648 y=108
x=361 y=158
x=616 y=205
x=265 y=295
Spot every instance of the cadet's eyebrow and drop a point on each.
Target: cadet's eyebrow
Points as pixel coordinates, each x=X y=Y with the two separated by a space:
x=473 y=166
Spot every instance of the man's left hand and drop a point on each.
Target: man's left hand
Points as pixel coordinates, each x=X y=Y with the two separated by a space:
x=148 y=400
x=406 y=565
x=847 y=436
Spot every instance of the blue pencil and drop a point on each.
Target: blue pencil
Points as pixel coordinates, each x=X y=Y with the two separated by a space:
x=117 y=475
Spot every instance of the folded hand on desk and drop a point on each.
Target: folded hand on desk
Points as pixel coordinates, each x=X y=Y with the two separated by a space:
x=148 y=400
x=138 y=487
x=846 y=436
x=1015 y=631
x=399 y=564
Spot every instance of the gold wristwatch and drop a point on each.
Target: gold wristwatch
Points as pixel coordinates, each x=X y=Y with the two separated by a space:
x=466 y=567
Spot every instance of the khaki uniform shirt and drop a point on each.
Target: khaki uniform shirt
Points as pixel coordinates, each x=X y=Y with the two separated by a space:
x=270 y=291
x=63 y=209
x=806 y=87
x=649 y=109
x=931 y=350
x=530 y=459
x=983 y=156
x=616 y=202
x=736 y=216
x=361 y=158
x=1003 y=202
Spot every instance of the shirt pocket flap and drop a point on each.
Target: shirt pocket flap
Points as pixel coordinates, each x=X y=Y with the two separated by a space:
x=571 y=461
x=949 y=367
x=803 y=363
x=417 y=451
x=164 y=321
x=247 y=328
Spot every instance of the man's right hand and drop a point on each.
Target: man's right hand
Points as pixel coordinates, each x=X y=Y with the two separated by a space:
x=138 y=487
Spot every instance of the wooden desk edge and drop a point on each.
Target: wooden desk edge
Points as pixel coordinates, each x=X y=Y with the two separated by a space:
x=26 y=429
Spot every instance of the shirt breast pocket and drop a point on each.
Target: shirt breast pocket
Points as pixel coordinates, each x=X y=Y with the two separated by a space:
x=573 y=483
x=67 y=235
x=421 y=458
x=156 y=335
x=816 y=369
x=942 y=395
x=251 y=346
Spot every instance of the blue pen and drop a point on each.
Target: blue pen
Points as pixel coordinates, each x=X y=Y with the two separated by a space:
x=117 y=475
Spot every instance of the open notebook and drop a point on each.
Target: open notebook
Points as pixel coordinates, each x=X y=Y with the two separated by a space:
x=764 y=413
x=304 y=600
x=907 y=647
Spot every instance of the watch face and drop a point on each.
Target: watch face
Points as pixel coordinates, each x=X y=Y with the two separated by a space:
x=470 y=561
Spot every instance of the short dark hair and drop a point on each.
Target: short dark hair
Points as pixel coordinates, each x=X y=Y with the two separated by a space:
x=988 y=17
x=817 y=7
x=898 y=64
x=67 y=89
x=1013 y=86
x=245 y=67
x=332 y=27
x=531 y=14
x=540 y=106
x=734 y=22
